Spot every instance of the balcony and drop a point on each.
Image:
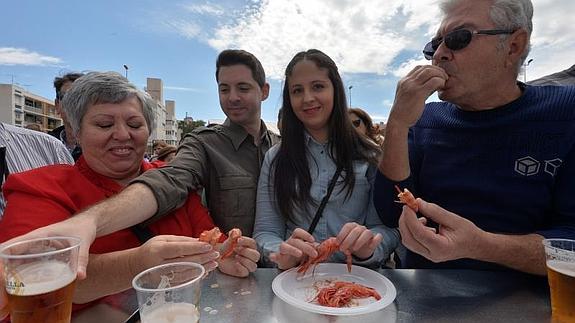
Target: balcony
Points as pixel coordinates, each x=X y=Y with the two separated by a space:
x=32 y=109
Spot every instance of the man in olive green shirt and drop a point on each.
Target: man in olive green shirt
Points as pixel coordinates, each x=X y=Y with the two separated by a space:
x=224 y=159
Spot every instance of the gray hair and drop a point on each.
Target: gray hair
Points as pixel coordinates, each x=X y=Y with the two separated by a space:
x=506 y=14
x=101 y=88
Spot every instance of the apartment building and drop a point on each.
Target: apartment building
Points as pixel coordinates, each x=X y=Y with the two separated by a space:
x=155 y=89
x=167 y=125
x=171 y=123
x=22 y=108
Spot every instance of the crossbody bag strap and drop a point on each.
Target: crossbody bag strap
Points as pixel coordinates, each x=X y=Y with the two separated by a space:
x=319 y=211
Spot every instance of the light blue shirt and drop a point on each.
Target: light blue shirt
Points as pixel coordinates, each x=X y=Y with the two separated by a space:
x=271 y=228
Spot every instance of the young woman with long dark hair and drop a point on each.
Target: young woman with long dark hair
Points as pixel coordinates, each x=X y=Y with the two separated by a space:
x=318 y=140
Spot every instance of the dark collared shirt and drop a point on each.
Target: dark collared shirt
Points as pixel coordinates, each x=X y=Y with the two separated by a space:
x=60 y=134
x=225 y=161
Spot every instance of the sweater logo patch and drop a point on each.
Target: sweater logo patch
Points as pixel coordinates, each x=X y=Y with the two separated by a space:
x=552 y=165
x=528 y=166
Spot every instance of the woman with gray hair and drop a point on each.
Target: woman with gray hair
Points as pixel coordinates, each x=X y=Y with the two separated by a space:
x=112 y=121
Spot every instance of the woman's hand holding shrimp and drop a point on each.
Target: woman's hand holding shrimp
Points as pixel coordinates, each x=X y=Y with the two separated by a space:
x=358 y=240
x=244 y=259
x=291 y=251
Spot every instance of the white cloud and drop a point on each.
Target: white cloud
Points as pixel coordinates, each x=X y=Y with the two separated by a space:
x=387 y=103
x=22 y=56
x=367 y=36
x=552 y=41
x=186 y=29
x=552 y=25
x=181 y=88
x=406 y=67
x=361 y=36
x=205 y=9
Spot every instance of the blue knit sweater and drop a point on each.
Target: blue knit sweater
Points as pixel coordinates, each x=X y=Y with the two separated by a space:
x=508 y=170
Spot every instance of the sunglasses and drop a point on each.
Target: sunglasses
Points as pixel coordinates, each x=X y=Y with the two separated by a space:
x=356 y=122
x=459 y=39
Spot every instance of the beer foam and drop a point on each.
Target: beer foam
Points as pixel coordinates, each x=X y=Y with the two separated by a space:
x=563 y=267
x=39 y=278
x=172 y=313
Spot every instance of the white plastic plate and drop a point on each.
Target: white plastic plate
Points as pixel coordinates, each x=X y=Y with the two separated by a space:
x=299 y=291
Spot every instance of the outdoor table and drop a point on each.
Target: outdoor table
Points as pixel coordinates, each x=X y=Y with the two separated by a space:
x=423 y=295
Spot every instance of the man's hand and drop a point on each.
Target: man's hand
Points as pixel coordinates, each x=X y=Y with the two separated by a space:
x=166 y=249
x=243 y=261
x=456 y=238
x=412 y=91
x=358 y=240
x=291 y=251
x=408 y=106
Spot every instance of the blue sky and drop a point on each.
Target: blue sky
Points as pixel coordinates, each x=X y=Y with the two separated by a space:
x=373 y=42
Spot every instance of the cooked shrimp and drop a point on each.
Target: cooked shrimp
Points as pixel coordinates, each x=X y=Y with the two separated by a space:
x=324 y=250
x=340 y=293
x=234 y=235
x=407 y=198
x=211 y=236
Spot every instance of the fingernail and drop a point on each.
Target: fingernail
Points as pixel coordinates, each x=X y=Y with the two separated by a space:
x=206 y=247
x=215 y=254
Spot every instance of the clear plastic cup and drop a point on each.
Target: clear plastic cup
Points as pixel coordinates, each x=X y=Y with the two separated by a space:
x=560 y=254
x=40 y=278
x=169 y=292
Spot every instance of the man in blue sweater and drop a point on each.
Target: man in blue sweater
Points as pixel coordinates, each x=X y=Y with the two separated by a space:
x=494 y=163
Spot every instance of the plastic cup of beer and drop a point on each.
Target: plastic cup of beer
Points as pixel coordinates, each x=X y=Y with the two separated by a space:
x=169 y=293
x=560 y=254
x=40 y=277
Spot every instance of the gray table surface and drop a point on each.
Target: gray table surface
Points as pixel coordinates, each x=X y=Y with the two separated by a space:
x=422 y=296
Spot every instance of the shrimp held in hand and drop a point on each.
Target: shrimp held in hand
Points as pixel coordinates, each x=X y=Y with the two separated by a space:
x=407 y=198
x=211 y=236
x=324 y=250
x=234 y=235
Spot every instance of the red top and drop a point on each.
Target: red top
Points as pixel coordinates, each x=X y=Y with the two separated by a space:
x=50 y=194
